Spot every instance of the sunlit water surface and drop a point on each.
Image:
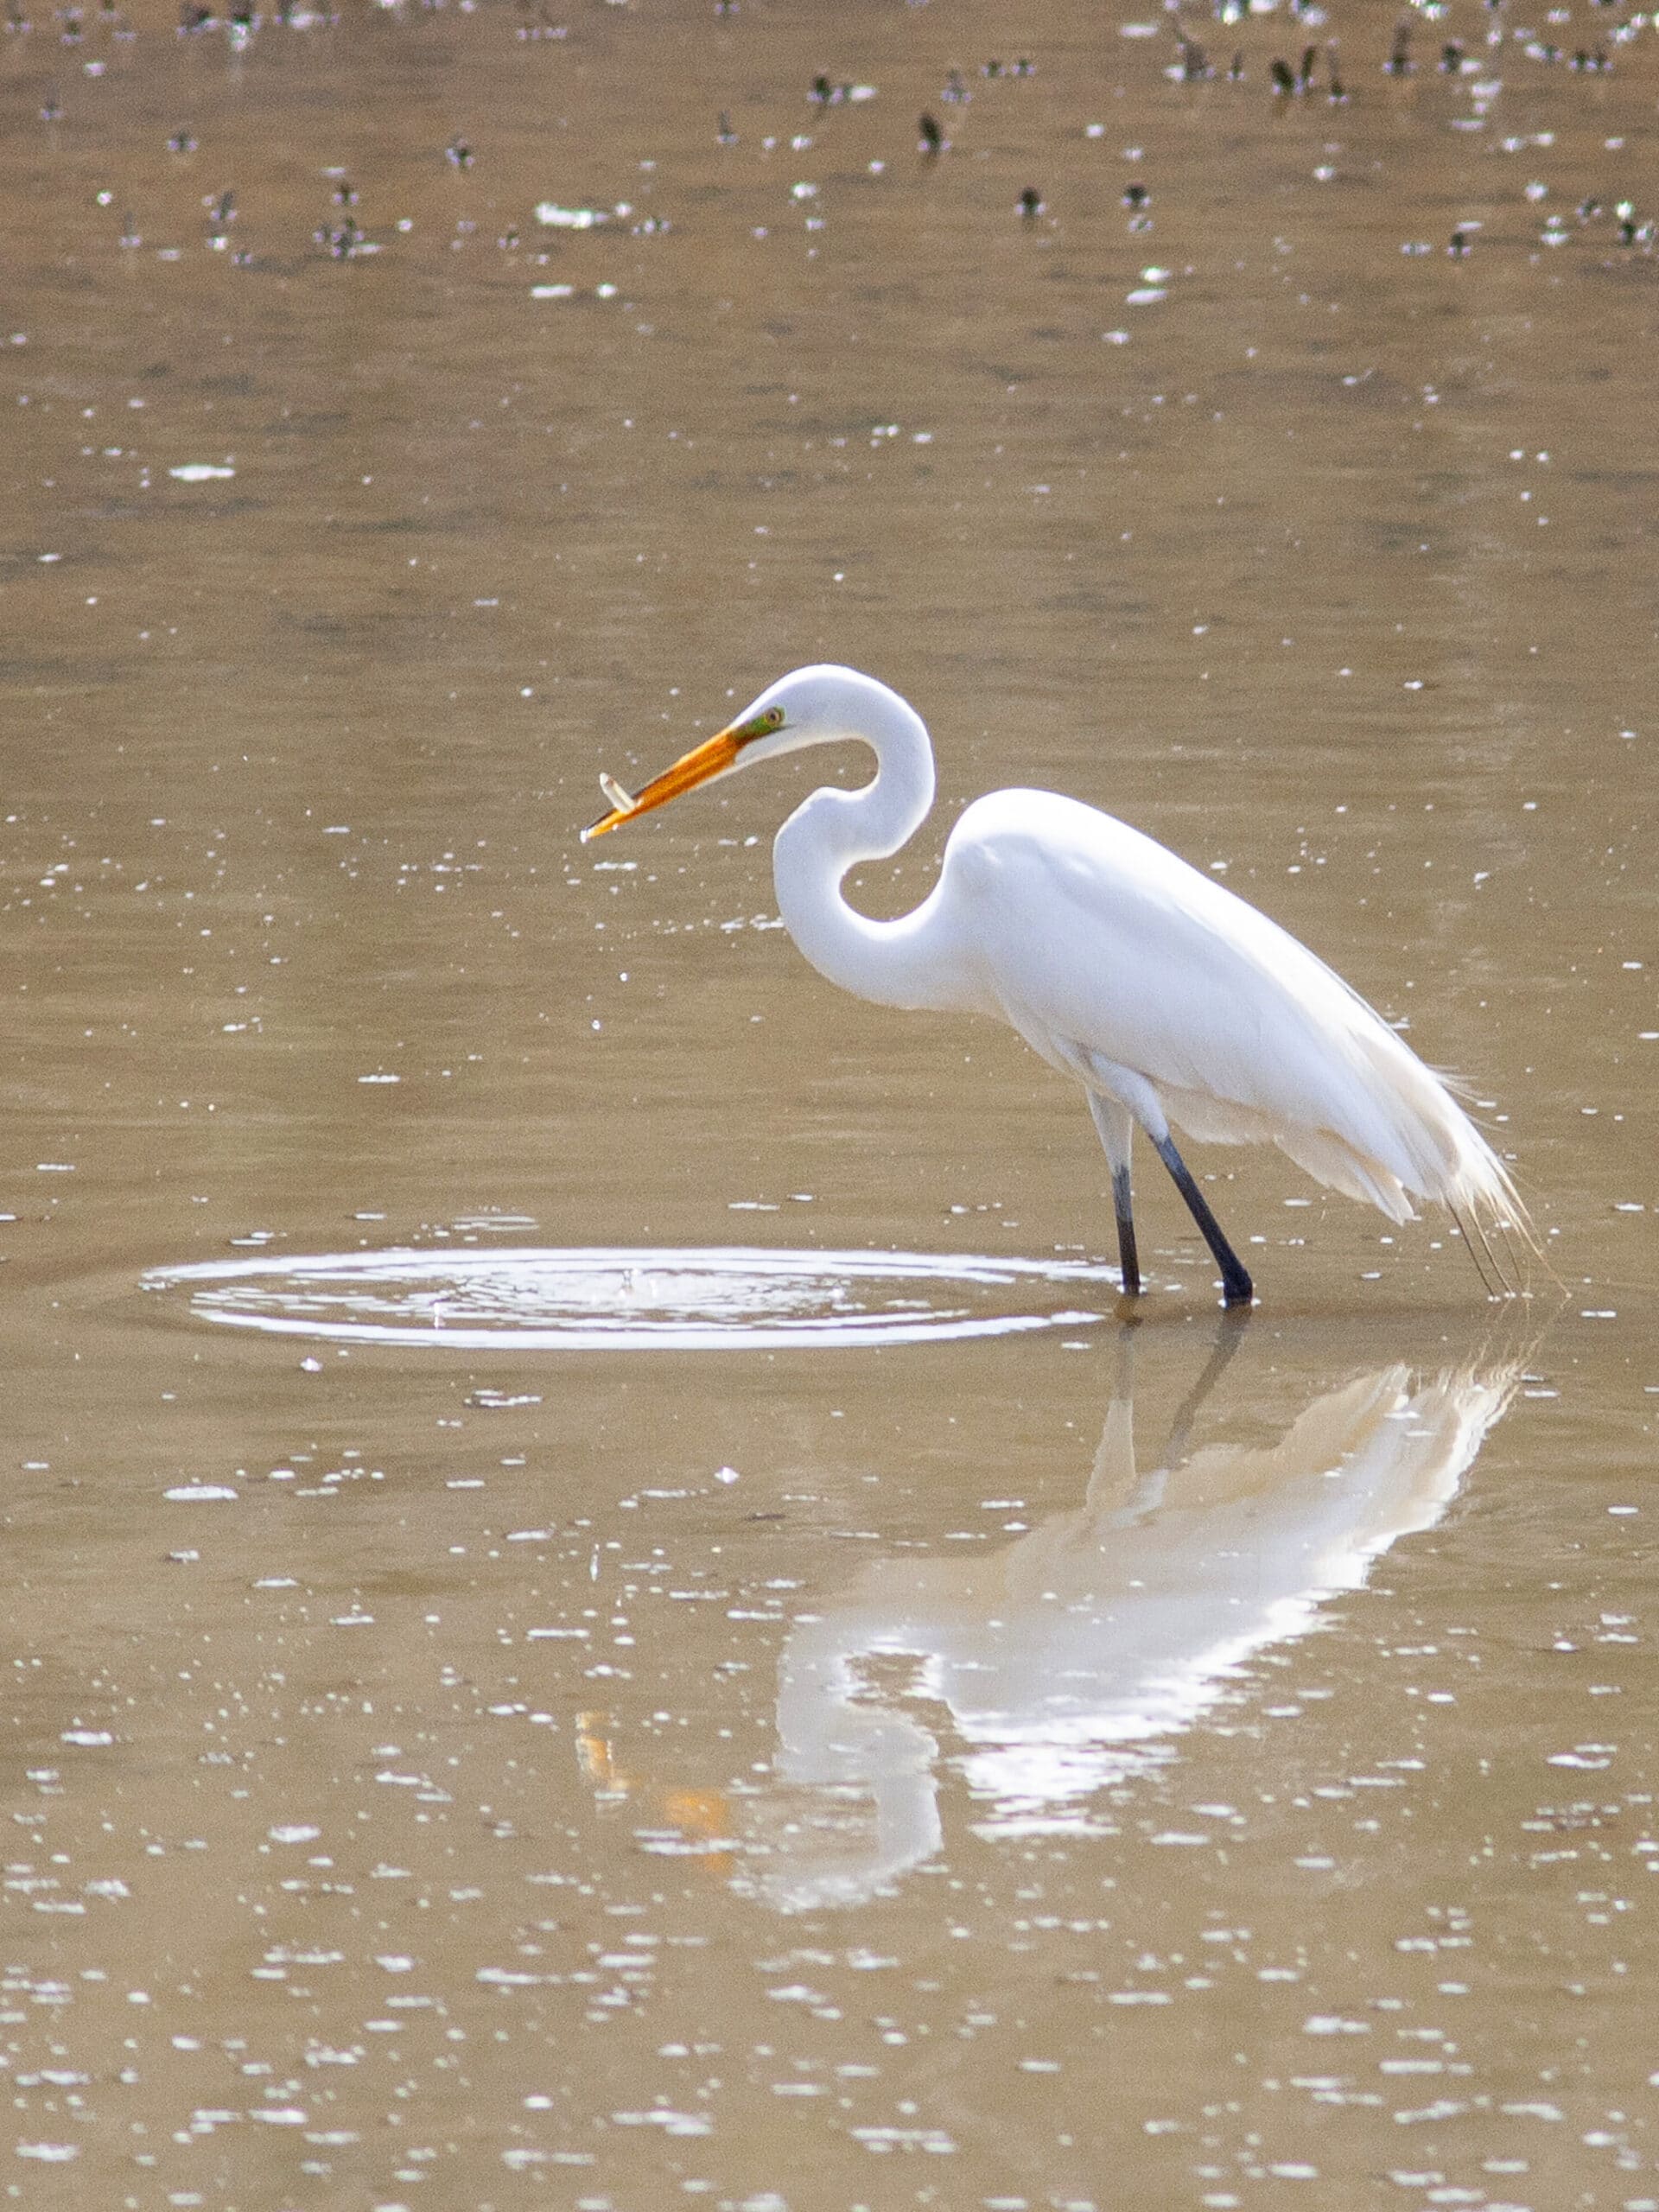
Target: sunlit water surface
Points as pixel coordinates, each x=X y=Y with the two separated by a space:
x=601 y=1610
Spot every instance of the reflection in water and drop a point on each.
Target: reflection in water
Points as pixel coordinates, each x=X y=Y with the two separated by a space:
x=1067 y=1661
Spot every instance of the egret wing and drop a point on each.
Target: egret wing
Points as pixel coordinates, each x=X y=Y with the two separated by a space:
x=1095 y=937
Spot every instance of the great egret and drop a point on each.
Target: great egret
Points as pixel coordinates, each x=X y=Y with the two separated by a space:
x=1165 y=995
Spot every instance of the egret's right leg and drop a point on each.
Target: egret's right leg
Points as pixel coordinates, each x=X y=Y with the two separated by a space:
x=1116 y=1127
x=1131 y=1098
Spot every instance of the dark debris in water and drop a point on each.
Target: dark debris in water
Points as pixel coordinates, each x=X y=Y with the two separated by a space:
x=1458 y=57
x=342 y=241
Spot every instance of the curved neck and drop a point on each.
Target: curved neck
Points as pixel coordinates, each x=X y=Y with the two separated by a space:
x=904 y=963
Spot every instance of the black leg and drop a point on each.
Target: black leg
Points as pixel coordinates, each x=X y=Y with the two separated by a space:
x=1129 y=1259
x=1237 y=1288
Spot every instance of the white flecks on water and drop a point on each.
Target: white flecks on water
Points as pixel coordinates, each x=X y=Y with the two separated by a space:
x=649 y=1689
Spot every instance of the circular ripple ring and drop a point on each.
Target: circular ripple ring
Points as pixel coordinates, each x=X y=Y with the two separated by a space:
x=612 y=1298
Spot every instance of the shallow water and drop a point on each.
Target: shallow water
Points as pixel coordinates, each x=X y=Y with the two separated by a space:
x=629 y=1299
x=790 y=1703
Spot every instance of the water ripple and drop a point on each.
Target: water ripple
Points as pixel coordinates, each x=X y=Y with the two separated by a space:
x=621 y=1299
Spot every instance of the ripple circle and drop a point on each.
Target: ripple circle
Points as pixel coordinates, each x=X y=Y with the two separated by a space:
x=621 y=1298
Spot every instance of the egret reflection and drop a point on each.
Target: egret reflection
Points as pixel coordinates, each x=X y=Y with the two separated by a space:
x=1072 y=1658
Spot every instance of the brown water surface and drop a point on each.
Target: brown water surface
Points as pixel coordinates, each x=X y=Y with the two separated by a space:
x=580 y=1632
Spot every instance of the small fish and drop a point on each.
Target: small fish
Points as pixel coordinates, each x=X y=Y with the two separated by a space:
x=624 y=802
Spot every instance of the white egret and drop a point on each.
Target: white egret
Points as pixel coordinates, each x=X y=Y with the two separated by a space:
x=1165 y=995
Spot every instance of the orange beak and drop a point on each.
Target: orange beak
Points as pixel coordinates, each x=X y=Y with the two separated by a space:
x=712 y=757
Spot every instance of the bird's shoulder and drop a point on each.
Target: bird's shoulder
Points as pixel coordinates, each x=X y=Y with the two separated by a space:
x=1036 y=863
x=1009 y=837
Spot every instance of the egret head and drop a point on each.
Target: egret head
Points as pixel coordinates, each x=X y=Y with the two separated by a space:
x=809 y=706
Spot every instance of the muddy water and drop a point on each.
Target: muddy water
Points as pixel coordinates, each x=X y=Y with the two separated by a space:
x=702 y=1678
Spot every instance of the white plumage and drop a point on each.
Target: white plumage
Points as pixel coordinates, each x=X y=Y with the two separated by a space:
x=1168 y=998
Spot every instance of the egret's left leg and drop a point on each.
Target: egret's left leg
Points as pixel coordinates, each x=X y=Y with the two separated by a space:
x=1116 y=1127
x=1132 y=1097
x=1237 y=1288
